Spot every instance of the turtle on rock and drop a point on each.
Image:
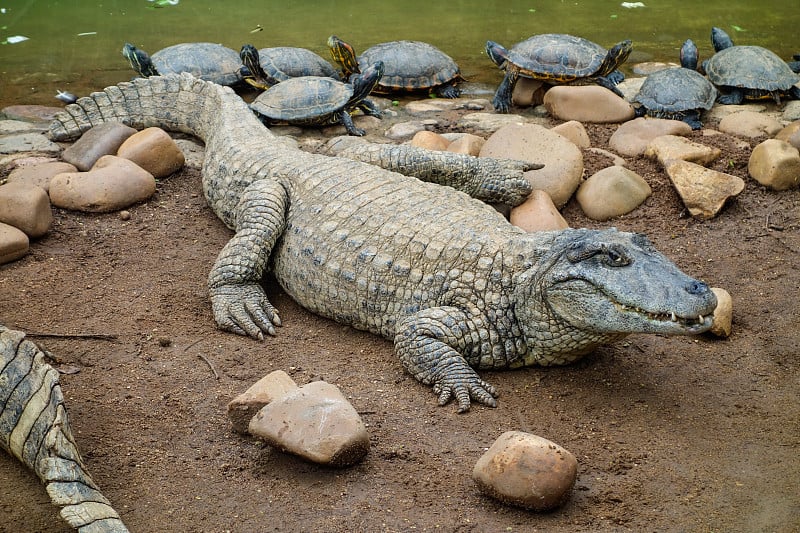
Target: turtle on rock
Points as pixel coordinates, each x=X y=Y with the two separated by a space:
x=748 y=72
x=268 y=66
x=319 y=100
x=557 y=59
x=410 y=66
x=207 y=61
x=678 y=93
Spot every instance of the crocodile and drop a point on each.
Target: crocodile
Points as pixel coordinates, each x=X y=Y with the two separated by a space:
x=444 y=276
x=34 y=427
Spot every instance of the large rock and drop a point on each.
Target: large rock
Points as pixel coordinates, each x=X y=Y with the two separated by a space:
x=27 y=142
x=703 y=191
x=467 y=144
x=587 y=103
x=429 y=140
x=100 y=140
x=21 y=126
x=575 y=132
x=668 y=147
x=32 y=113
x=563 y=161
x=488 y=122
x=153 y=150
x=40 y=174
x=632 y=138
x=244 y=407
x=26 y=207
x=526 y=470
x=750 y=124
x=113 y=183
x=791 y=134
x=528 y=92
x=13 y=243
x=775 y=164
x=537 y=213
x=611 y=192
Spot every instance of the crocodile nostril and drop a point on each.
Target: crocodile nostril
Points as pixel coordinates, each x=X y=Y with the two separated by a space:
x=697 y=288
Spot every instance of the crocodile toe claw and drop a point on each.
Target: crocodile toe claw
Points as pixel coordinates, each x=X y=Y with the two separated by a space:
x=244 y=310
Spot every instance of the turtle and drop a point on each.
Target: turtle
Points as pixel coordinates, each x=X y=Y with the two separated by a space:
x=207 y=61
x=678 y=93
x=557 y=59
x=268 y=66
x=794 y=65
x=748 y=72
x=319 y=100
x=411 y=66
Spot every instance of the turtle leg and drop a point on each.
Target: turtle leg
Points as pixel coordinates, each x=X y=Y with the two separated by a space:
x=616 y=77
x=640 y=111
x=347 y=121
x=447 y=90
x=794 y=92
x=603 y=81
x=735 y=97
x=692 y=118
x=369 y=108
x=502 y=97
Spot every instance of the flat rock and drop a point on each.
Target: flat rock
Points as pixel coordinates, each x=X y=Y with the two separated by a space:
x=775 y=164
x=750 y=124
x=723 y=313
x=315 y=422
x=100 y=140
x=153 y=150
x=563 y=161
x=703 y=191
x=537 y=213
x=718 y=112
x=429 y=140
x=193 y=152
x=404 y=130
x=13 y=243
x=467 y=144
x=31 y=113
x=575 y=132
x=791 y=134
x=668 y=147
x=244 y=407
x=611 y=192
x=431 y=105
x=21 y=126
x=113 y=183
x=631 y=138
x=27 y=142
x=791 y=111
x=26 y=207
x=39 y=174
x=587 y=103
x=526 y=470
x=488 y=122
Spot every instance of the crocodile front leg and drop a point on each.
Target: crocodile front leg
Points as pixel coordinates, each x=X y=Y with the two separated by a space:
x=237 y=298
x=430 y=344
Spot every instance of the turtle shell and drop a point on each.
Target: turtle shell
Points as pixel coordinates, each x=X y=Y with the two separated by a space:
x=284 y=62
x=676 y=89
x=207 y=61
x=750 y=67
x=557 y=56
x=410 y=65
x=303 y=99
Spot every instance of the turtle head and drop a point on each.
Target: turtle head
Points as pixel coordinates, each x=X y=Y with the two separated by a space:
x=615 y=57
x=139 y=60
x=689 y=55
x=720 y=39
x=251 y=70
x=364 y=83
x=497 y=53
x=343 y=54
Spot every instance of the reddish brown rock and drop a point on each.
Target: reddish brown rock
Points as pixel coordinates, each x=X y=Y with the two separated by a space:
x=153 y=150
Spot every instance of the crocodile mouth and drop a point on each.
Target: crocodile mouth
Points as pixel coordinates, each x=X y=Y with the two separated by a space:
x=696 y=324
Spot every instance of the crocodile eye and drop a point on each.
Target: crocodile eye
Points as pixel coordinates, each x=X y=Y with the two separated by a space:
x=616 y=257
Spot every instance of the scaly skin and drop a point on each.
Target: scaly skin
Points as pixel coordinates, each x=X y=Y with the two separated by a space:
x=442 y=274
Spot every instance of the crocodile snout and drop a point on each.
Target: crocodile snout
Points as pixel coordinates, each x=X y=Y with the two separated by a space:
x=697 y=288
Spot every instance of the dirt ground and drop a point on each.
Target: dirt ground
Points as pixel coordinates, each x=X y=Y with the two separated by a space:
x=671 y=434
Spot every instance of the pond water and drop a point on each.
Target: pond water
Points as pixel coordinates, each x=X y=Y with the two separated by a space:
x=75 y=45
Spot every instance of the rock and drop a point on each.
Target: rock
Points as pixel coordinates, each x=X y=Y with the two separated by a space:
x=468 y=144
x=648 y=67
x=40 y=174
x=775 y=164
x=575 y=132
x=430 y=105
x=630 y=87
x=632 y=138
x=100 y=140
x=488 y=122
x=791 y=111
x=193 y=152
x=26 y=207
x=668 y=147
x=563 y=161
x=791 y=134
x=113 y=183
x=27 y=142
x=723 y=314
x=703 y=191
x=528 y=92
x=526 y=470
x=153 y=150
x=365 y=122
x=404 y=130
x=31 y=113
x=718 y=112
x=587 y=103
x=749 y=124
x=611 y=192
x=429 y=140
x=244 y=407
x=615 y=159
x=20 y=126
x=315 y=422
x=537 y=213
x=13 y=243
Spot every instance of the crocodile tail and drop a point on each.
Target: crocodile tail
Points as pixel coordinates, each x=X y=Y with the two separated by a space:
x=34 y=427
x=176 y=102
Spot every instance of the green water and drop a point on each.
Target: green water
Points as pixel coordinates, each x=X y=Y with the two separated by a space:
x=56 y=56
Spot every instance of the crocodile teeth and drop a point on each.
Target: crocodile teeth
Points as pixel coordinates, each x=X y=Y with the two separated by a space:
x=673 y=317
x=700 y=318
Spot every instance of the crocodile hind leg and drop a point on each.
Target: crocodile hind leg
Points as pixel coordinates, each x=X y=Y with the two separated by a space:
x=35 y=429
x=237 y=298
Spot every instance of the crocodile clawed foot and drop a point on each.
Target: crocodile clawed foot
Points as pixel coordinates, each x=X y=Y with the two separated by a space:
x=463 y=391
x=244 y=310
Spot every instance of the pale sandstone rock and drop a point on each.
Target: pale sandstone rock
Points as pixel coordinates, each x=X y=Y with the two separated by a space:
x=563 y=161
x=13 y=243
x=404 y=130
x=100 y=140
x=193 y=152
x=244 y=407
x=153 y=150
x=32 y=113
x=429 y=140
x=630 y=87
x=718 y=112
x=588 y=103
x=39 y=174
x=791 y=134
x=723 y=313
x=488 y=122
x=750 y=124
x=575 y=132
x=791 y=111
x=668 y=147
x=468 y=144
x=526 y=470
x=431 y=105
x=528 y=92
x=611 y=192
x=703 y=191
x=315 y=422
x=21 y=126
x=775 y=164
x=632 y=137
x=537 y=213
x=26 y=207
x=112 y=184
x=648 y=67
x=27 y=142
